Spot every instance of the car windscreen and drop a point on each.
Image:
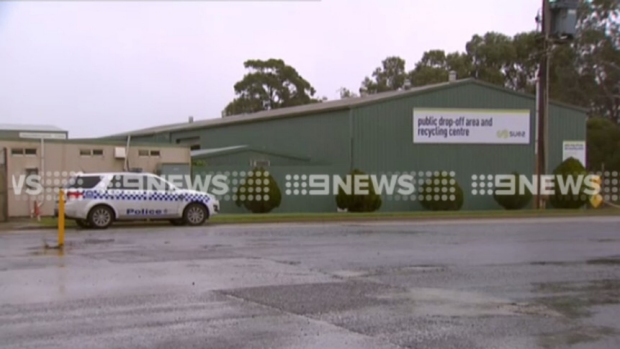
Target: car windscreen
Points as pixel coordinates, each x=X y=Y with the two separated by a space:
x=82 y=182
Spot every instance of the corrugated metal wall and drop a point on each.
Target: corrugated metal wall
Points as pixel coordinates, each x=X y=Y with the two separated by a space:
x=565 y=124
x=246 y=158
x=322 y=138
x=290 y=202
x=383 y=141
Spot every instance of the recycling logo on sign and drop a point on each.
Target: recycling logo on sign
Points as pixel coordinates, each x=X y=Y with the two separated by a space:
x=503 y=134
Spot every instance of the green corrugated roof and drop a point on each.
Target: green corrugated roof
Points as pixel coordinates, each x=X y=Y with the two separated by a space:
x=206 y=153
x=340 y=104
x=213 y=151
x=31 y=128
x=95 y=141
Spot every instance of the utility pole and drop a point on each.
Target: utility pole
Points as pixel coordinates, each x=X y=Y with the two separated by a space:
x=559 y=26
x=543 y=82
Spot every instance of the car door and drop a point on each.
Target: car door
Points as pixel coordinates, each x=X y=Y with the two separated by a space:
x=128 y=195
x=162 y=200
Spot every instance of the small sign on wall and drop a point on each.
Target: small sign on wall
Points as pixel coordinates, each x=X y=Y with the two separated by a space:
x=37 y=135
x=574 y=149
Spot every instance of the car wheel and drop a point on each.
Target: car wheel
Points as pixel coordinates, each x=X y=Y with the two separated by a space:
x=195 y=214
x=100 y=217
x=177 y=222
x=82 y=223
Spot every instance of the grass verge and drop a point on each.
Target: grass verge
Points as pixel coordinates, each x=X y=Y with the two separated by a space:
x=340 y=217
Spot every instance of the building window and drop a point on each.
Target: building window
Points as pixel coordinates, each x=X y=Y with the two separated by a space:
x=17 y=151
x=195 y=147
x=259 y=163
x=190 y=140
x=24 y=151
x=147 y=153
x=91 y=152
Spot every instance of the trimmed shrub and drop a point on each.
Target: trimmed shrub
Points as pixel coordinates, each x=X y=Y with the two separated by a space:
x=366 y=200
x=441 y=193
x=259 y=192
x=516 y=201
x=571 y=167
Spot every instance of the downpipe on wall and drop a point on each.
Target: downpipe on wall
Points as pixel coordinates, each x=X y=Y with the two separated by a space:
x=37 y=205
x=536 y=114
x=126 y=162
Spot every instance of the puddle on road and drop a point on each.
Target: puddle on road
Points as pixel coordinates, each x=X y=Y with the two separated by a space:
x=424 y=268
x=598 y=261
x=215 y=246
x=605 y=261
x=48 y=249
x=48 y=252
x=350 y=273
x=604 y=240
x=574 y=336
x=450 y=303
x=558 y=305
x=541 y=263
x=574 y=300
x=98 y=241
x=391 y=271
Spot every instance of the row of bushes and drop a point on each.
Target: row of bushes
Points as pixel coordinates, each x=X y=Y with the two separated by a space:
x=434 y=191
x=567 y=169
x=439 y=193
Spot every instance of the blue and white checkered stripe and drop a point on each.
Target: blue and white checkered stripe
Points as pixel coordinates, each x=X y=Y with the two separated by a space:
x=195 y=197
x=115 y=195
x=143 y=196
x=163 y=197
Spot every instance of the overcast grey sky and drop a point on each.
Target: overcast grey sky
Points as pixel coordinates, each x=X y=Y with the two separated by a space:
x=97 y=68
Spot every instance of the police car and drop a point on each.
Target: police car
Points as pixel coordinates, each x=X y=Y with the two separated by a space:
x=96 y=200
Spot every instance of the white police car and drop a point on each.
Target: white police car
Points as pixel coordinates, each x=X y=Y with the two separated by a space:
x=96 y=200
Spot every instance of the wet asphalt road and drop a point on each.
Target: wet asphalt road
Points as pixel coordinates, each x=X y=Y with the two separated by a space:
x=522 y=284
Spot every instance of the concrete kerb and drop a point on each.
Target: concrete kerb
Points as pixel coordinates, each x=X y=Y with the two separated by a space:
x=316 y=220
x=47 y=227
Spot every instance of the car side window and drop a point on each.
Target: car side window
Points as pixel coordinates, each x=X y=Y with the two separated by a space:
x=128 y=182
x=157 y=184
x=116 y=183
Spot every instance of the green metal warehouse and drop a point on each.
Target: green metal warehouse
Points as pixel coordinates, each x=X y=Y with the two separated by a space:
x=381 y=134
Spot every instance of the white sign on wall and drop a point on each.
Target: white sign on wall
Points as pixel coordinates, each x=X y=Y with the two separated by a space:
x=574 y=149
x=471 y=126
x=38 y=135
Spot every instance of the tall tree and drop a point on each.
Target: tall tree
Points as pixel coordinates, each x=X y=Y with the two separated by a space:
x=603 y=139
x=270 y=84
x=522 y=68
x=435 y=65
x=598 y=46
x=391 y=76
x=346 y=93
x=493 y=57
